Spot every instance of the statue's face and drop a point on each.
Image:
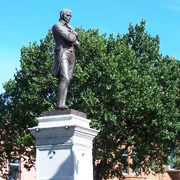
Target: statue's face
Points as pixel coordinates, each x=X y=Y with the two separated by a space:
x=67 y=16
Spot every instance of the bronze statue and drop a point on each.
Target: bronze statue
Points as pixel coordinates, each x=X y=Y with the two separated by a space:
x=64 y=59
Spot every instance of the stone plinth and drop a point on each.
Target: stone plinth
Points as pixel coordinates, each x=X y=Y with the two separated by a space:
x=64 y=146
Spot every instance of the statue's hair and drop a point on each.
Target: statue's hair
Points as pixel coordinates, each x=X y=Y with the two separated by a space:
x=64 y=11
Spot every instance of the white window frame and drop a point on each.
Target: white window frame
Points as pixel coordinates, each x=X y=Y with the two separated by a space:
x=171 y=164
x=137 y=170
x=125 y=155
x=15 y=164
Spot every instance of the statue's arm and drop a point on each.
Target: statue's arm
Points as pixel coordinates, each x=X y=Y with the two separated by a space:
x=64 y=34
x=76 y=43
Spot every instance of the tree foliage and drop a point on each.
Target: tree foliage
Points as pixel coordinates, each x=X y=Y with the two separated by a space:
x=128 y=90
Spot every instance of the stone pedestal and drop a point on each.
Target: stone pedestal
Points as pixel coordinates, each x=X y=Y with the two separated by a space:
x=64 y=146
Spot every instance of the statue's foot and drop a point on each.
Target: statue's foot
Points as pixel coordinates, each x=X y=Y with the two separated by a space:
x=61 y=107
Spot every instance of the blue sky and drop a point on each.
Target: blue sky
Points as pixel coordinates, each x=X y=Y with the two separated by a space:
x=24 y=21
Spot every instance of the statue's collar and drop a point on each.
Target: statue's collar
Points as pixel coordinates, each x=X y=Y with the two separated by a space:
x=62 y=22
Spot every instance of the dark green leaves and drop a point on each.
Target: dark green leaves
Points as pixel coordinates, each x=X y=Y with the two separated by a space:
x=128 y=90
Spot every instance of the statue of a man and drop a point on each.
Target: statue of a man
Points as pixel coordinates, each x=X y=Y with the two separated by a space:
x=66 y=44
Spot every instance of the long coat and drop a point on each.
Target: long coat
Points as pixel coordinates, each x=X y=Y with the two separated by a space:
x=65 y=39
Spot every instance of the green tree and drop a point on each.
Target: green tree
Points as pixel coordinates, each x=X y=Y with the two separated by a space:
x=31 y=92
x=128 y=90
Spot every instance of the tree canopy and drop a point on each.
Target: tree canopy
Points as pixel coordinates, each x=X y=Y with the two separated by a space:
x=128 y=90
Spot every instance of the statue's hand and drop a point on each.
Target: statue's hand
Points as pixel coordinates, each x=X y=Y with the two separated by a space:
x=77 y=44
x=74 y=32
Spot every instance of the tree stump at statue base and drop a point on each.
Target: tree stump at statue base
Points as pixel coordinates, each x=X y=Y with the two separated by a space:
x=64 y=146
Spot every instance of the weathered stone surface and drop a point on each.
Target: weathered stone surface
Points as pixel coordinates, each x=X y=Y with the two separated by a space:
x=63 y=146
x=63 y=112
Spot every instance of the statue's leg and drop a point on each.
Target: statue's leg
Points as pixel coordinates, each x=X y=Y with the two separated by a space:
x=70 y=72
x=71 y=62
x=63 y=85
x=62 y=89
x=71 y=65
x=65 y=95
x=66 y=70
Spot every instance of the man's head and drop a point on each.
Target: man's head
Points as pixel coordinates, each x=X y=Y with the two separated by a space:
x=65 y=15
